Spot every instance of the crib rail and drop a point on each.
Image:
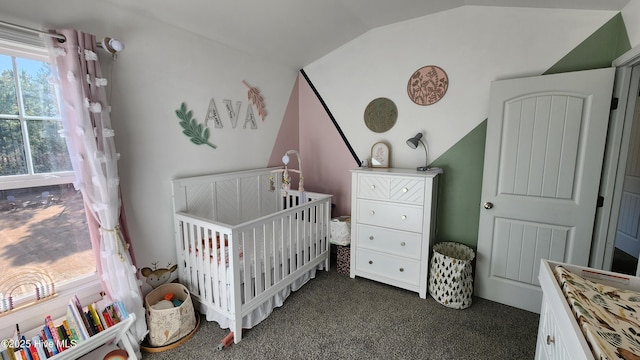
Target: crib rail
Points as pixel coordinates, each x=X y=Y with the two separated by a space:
x=236 y=268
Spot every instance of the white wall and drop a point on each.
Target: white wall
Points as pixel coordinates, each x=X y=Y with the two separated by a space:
x=631 y=16
x=474 y=45
x=160 y=68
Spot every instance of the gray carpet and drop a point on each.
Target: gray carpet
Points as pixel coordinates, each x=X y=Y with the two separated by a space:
x=336 y=317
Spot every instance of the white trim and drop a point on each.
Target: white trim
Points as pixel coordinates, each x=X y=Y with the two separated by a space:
x=29 y=181
x=629 y=58
x=627 y=82
x=29 y=51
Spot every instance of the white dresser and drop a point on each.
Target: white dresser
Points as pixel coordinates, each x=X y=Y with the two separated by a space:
x=392 y=225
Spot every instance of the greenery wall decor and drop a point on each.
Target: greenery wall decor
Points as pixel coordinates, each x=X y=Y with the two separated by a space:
x=197 y=132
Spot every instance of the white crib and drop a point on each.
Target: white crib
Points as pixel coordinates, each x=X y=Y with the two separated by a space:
x=243 y=244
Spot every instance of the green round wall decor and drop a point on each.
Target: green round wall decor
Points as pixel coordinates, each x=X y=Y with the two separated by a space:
x=380 y=115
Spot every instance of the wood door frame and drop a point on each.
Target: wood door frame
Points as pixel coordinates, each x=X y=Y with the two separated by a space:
x=627 y=81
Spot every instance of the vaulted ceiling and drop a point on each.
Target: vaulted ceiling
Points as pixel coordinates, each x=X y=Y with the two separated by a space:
x=297 y=32
x=291 y=32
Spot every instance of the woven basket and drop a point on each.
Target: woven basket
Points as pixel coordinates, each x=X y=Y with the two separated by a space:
x=451 y=275
x=169 y=325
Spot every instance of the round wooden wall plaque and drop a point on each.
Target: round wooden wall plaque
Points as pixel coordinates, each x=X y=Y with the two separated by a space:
x=427 y=85
x=380 y=115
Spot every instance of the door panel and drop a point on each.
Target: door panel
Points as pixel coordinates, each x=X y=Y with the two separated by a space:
x=543 y=160
x=517 y=241
x=540 y=144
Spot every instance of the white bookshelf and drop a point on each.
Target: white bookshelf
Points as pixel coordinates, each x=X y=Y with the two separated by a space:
x=115 y=334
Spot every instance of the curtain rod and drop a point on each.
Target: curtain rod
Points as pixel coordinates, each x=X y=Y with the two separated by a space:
x=60 y=38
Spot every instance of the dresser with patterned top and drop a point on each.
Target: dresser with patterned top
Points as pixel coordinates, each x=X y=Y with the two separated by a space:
x=392 y=226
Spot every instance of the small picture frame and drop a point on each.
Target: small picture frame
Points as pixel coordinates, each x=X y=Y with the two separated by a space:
x=380 y=155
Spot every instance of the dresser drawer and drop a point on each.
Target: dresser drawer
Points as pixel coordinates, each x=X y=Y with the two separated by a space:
x=407 y=190
x=373 y=187
x=391 y=215
x=401 y=189
x=390 y=241
x=396 y=268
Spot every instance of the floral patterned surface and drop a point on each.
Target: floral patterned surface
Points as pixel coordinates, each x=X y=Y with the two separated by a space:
x=428 y=85
x=609 y=317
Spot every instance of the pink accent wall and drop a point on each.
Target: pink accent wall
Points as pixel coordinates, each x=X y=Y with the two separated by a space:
x=326 y=160
x=288 y=135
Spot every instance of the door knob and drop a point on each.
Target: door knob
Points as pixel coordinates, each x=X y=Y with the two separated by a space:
x=488 y=205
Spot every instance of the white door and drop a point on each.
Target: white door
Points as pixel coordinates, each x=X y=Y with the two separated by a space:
x=543 y=160
x=628 y=231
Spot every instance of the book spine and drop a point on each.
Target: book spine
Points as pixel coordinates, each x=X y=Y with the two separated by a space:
x=62 y=334
x=112 y=312
x=80 y=314
x=39 y=344
x=103 y=321
x=19 y=355
x=33 y=352
x=107 y=318
x=67 y=329
x=95 y=317
x=73 y=325
x=45 y=344
x=123 y=314
x=11 y=352
x=91 y=327
x=51 y=344
x=54 y=333
x=25 y=348
x=79 y=321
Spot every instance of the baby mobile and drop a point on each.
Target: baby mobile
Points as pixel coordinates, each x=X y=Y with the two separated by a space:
x=199 y=133
x=286 y=179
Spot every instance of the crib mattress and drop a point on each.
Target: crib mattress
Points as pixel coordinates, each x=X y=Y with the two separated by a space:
x=608 y=316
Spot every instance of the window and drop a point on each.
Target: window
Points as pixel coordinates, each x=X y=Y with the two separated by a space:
x=43 y=226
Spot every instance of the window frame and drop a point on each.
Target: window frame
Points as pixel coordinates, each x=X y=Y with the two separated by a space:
x=87 y=287
x=9 y=182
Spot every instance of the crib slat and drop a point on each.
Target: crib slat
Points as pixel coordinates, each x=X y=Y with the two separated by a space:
x=215 y=270
x=284 y=248
x=267 y=260
x=249 y=255
x=192 y=260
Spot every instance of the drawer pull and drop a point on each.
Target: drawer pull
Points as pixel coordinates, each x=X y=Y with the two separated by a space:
x=371 y=237
x=401 y=269
x=404 y=217
x=373 y=187
x=550 y=340
x=370 y=262
x=373 y=212
x=405 y=189
x=403 y=243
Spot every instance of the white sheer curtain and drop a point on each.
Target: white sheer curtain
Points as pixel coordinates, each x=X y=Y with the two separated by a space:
x=90 y=138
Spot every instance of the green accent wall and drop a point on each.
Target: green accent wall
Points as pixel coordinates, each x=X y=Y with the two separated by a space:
x=460 y=187
x=598 y=50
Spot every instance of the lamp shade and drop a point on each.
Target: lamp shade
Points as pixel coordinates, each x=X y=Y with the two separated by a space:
x=414 y=141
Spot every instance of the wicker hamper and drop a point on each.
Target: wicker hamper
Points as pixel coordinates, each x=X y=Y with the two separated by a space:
x=169 y=325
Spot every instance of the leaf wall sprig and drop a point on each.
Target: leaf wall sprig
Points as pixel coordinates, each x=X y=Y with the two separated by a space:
x=254 y=96
x=199 y=135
